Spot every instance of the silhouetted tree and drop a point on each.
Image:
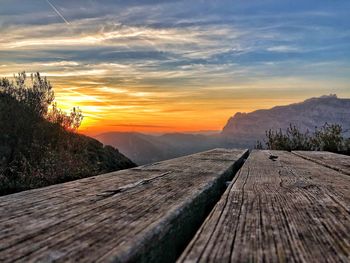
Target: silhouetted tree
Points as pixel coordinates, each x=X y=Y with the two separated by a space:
x=37 y=96
x=70 y=121
x=37 y=144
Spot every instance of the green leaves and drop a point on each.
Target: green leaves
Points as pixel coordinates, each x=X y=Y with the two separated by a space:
x=327 y=138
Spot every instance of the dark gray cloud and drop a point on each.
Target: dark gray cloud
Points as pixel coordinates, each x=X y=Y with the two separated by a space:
x=239 y=39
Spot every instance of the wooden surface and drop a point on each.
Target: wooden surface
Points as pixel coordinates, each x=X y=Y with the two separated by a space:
x=337 y=162
x=279 y=208
x=143 y=214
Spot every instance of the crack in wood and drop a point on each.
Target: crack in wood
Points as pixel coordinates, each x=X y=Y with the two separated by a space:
x=339 y=167
x=287 y=209
x=112 y=192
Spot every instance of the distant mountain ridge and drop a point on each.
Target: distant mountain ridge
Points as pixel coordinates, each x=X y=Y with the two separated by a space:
x=241 y=130
x=142 y=148
x=35 y=152
x=306 y=115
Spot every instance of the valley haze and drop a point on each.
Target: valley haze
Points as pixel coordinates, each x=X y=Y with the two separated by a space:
x=174 y=130
x=241 y=130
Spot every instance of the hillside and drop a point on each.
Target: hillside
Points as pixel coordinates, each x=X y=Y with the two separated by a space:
x=241 y=130
x=138 y=147
x=142 y=148
x=35 y=152
x=248 y=127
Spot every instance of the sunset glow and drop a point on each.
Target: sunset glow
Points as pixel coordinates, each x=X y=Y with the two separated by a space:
x=155 y=66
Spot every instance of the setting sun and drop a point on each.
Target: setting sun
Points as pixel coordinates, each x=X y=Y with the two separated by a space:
x=174 y=131
x=171 y=70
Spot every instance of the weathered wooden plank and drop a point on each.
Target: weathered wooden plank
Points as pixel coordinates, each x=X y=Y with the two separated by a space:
x=279 y=208
x=145 y=213
x=337 y=162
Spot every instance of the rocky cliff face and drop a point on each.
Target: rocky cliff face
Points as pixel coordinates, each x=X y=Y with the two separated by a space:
x=241 y=131
x=306 y=115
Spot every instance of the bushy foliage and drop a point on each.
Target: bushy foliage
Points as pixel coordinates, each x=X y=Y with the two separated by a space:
x=289 y=140
x=37 y=144
x=326 y=138
x=70 y=121
x=37 y=97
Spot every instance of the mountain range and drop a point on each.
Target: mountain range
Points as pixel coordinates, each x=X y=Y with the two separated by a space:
x=142 y=148
x=36 y=152
x=241 y=130
x=306 y=115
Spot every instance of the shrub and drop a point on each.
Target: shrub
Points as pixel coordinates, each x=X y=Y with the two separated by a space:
x=327 y=138
x=38 y=145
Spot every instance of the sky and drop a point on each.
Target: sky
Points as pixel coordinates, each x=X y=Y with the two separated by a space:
x=161 y=66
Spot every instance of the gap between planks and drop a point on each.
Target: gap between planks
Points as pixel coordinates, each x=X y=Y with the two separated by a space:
x=156 y=244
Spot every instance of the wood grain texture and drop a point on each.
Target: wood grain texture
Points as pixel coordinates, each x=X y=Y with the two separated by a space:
x=337 y=162
x=279 y=208
x=144 y=214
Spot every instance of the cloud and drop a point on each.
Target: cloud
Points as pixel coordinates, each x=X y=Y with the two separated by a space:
x=60 y=64
x=283 y=49
x=156 y=60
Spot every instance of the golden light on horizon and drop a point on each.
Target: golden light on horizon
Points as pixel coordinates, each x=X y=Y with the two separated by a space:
x=159 y=69
x=107 y=108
